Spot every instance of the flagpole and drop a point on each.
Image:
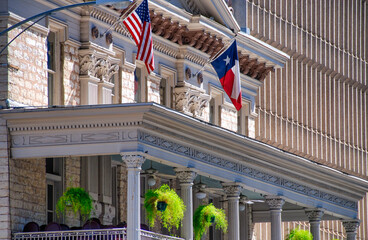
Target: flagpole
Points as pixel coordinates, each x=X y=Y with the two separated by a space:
x=215 y=56
x=121 y=19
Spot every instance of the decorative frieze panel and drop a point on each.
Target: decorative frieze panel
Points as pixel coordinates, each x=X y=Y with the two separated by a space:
x=190 y=101
x=244 y=170
x=73 y=138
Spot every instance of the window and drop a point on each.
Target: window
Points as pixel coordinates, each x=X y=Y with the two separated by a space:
x=167 y=85
x=140 y=84
x=57 y=35
x=98 y=179
x=163 y=90
x=214 y=234
x=51 y=66
x=244 y=119
x=54 y=189
x=217 y=99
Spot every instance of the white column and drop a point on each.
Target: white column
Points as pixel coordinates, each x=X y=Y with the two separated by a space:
x=351 y=227
x=233 y=191
x=186 y=177
x=133 y=162
x=314 y=216
x=275 y=203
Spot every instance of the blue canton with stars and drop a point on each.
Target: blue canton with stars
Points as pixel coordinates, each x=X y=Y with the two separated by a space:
x=143 y=11
x=226 y=60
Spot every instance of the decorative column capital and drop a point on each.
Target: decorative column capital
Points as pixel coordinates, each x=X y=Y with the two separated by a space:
x=275 y=202
x=186 y=175
x=351 y=226
x=232 y=189
x=314 y=215
x=133 y=160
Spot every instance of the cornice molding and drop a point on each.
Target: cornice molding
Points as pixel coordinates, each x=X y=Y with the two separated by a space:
x=239 y=168
x=14 y=18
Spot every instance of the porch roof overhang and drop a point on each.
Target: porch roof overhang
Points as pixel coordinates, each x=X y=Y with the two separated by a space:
x=173 y=138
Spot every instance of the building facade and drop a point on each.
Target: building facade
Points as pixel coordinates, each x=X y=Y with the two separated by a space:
x=78 y=109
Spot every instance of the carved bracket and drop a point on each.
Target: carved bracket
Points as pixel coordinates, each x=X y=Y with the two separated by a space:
x=97 y=64
x=190 y=101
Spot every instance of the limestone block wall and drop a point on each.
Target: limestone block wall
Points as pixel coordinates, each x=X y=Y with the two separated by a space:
x=229 y=118
x=72 y=179
x=127 y=87
x=71 y=82
x=27 y=192
x=122 y=186
x=153 y=90
x=4 y=182
x=28 y=79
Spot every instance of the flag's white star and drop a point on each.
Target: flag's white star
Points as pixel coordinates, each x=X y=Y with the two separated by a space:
x=227 y=60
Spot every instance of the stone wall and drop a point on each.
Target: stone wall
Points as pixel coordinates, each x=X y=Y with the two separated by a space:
x=27 y=192
x=153 y=90
x=127 y=87
x=71 y=82
x=122 y=192
x=229 y=119
x=4 y=182
x=72 y=179
x=28 y=79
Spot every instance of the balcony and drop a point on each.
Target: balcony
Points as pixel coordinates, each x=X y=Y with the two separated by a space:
x=95 y=234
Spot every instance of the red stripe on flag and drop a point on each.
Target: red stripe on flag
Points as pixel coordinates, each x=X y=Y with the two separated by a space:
x=227 y=83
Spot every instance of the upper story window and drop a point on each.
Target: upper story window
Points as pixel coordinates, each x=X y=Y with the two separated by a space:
x=57 y=35
x=167 y=85
x=217 y=99
x=140 y=84
x=51 y=65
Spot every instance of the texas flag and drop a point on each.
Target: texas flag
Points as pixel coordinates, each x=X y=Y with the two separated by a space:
x=227 y=68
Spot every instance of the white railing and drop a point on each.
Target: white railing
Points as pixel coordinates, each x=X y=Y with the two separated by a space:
x=95 y=234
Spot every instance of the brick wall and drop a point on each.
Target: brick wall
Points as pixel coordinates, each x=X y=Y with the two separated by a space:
x=28 y=192
x=71 y=81
x=28 y=54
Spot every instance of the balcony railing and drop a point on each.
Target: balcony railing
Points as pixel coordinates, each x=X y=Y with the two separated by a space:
x=96 y=234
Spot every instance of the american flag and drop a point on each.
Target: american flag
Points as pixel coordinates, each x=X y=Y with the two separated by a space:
x=138 y=24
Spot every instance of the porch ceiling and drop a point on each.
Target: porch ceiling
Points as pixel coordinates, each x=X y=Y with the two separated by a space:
x=172 y=138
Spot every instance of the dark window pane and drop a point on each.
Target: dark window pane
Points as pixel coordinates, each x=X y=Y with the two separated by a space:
x=49 y=165
x=50 y=197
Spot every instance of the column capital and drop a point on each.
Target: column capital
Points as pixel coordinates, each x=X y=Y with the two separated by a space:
x=133 y=159
x=314 y=215
x=186 y=175
x=351 y=225
x=232 y=189
x=275 y=202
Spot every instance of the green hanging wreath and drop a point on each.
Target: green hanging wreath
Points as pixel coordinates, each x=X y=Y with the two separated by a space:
x=76 y=200
x=170 y=215
x=205 y=216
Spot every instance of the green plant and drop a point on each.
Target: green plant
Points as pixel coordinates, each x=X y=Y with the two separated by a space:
x=76 y=200
x=299 y=234
x=174 y=212
x=204 y=217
